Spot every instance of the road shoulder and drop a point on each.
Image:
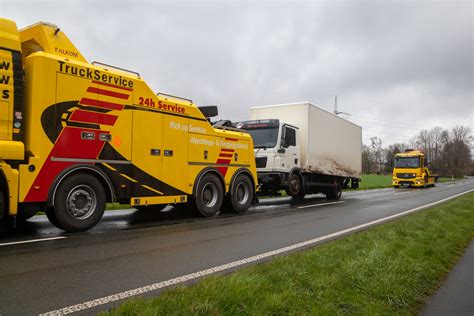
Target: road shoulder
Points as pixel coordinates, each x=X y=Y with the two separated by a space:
x=456 y=294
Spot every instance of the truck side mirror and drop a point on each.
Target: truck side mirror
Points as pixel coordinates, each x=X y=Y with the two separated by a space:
x=282 y=139
x=281 y=150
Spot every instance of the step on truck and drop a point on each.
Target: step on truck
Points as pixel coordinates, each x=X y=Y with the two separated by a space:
x=410 y=168
x=75 y=135
x=304 y=149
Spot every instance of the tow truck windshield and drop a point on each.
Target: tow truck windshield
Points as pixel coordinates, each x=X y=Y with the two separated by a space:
x=407 y=162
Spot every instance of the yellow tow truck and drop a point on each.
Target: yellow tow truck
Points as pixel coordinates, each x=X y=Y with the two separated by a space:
x=410 y=169
x=75 y=135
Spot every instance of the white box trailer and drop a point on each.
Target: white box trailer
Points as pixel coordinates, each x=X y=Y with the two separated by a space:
x=303 y=148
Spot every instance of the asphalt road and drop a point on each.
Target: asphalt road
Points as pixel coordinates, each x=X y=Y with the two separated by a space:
x=131 y=249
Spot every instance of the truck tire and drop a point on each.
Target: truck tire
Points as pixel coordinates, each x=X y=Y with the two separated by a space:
x=334 y=194
x=52 y=217
x=209 y=195
x=3 y=207
x=241 y=194
x=79 y=203
x=295 y=186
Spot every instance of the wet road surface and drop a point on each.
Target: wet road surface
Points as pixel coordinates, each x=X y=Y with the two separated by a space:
x=130 y=249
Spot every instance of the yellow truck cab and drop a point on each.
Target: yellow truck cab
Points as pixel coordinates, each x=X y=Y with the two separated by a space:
x=75 y=135
x=410 y=169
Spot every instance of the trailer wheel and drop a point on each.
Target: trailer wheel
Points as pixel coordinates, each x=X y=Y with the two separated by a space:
x=295 y=187
x=79 y=203
x=241 y=194
x=209 y=195
x=334 y=194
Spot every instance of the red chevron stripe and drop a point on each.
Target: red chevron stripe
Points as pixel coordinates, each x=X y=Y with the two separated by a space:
x=93 y=117
x=108 y=93
x=225 y=155
x=223 y=170
x=102 y=104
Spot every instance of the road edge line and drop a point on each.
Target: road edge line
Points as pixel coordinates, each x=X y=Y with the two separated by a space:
x=321 y=204
x=30 y=241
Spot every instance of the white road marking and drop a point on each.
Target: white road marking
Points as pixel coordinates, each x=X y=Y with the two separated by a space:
x=30 y=241
x=202 y=273
x=321 y=204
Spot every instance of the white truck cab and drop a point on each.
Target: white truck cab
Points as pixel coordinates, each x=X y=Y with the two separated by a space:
x=275 y=144
x=277 y=149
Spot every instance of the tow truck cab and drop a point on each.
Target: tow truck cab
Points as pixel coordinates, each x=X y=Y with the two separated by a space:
x=410 y=169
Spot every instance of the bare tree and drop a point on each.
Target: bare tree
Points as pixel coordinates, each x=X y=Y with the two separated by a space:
x=367 y=163
x=376 y=151
x=437 y=145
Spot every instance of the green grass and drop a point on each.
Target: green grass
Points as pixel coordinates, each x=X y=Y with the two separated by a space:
x=375 y=181
x=390 y=269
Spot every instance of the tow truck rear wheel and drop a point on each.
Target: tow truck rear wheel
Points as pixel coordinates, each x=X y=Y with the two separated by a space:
x=209 y=195
x=79 y=203
x=241 y=194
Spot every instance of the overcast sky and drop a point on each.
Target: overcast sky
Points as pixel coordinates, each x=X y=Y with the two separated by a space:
x=397 y=66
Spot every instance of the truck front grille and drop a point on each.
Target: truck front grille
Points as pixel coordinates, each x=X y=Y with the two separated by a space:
x=406 y=175
x=261 y=162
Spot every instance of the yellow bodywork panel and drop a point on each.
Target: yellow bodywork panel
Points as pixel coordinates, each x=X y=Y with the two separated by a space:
x=11 y=150
x=48 y=38
x=147 y=143
x=9 y=36
x=150 y=200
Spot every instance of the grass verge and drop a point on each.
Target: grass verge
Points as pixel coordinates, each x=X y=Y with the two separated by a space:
x=375 y=181
x=388 y=269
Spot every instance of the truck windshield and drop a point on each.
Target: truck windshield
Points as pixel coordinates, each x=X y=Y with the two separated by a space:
x=264 y=137
x=407 y=162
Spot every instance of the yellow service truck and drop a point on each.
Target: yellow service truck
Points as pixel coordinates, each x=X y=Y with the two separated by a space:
x=75 y=135
x=410 y=169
